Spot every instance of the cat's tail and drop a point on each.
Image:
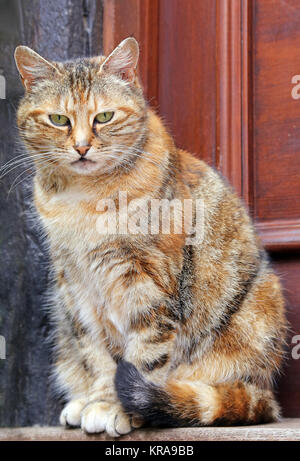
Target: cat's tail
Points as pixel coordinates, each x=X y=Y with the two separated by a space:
x=193 y=403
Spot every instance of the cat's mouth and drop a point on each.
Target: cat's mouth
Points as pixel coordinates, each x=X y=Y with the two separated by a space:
x=84 y=164
x=83 y=160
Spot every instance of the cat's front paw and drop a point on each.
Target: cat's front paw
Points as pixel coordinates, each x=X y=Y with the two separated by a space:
x=71 y=414
x=104 y=416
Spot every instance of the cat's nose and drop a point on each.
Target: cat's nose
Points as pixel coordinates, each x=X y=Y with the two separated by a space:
x=82 y=150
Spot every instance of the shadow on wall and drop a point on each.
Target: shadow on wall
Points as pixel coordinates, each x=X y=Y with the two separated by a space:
x=57 y=29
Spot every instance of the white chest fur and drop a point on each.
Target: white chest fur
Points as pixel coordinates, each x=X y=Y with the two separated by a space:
x=95 y=275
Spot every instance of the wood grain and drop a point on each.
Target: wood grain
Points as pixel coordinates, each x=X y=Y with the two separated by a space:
x=288 y=268
x=280 y=235
x=276 y=114
x=229 y=91
x=187 y=74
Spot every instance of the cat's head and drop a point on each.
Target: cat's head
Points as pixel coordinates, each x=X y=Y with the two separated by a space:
x=83 y=117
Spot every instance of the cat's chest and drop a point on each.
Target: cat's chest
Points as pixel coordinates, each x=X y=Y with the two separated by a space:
x=91 y=279
x=91 y=283
x=87 y=258
x=69 y=218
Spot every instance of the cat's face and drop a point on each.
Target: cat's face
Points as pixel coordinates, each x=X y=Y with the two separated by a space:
x=85 y=117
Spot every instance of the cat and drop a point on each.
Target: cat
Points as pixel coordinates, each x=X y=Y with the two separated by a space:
x=150 y=328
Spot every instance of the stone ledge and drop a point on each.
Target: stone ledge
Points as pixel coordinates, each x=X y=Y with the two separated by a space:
x=287 y=429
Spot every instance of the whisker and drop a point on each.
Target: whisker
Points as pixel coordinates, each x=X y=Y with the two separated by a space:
x=11 y=165
x=20 y=164
x=14 y=184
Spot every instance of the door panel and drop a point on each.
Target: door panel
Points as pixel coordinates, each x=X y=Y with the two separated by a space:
x=276 y=114
x=187 y=69
x=287 y=267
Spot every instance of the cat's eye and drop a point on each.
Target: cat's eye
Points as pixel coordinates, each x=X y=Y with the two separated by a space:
x=59 y=120
x=104 y=117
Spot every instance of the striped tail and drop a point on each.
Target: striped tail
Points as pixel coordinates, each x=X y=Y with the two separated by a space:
x=193 y=403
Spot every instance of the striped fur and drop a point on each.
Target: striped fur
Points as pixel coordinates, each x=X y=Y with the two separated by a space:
x=146 y=327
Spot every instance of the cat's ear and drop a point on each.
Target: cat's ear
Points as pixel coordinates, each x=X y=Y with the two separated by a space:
x=123 y=60
x=32 y=67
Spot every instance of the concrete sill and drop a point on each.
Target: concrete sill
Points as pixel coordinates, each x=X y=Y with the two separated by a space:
x=287 y=429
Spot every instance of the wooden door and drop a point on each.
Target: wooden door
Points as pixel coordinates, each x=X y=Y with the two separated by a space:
x=220 y=73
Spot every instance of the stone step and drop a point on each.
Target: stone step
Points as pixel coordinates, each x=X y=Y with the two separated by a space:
x=287 y=429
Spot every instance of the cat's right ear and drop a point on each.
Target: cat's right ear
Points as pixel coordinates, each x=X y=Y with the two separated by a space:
x=32 y=67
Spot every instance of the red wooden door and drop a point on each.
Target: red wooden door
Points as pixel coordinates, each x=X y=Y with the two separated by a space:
x=220 y=73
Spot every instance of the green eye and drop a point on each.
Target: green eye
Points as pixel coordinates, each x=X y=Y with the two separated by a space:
x=104 y=117
x=60 y=120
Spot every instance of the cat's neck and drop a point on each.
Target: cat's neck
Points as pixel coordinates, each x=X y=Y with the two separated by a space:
x=143 y=178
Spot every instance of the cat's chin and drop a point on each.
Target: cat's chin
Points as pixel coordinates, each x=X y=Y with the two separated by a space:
x=84 y=166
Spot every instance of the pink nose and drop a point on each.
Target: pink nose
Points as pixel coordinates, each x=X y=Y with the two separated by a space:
x=82 y=150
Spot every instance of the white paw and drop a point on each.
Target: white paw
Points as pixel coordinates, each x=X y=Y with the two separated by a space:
x=71 y=414
x=103 y=416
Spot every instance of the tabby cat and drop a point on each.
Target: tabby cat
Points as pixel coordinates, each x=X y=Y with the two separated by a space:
x=150 y=328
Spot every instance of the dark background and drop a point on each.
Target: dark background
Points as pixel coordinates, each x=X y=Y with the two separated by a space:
x=57 y=29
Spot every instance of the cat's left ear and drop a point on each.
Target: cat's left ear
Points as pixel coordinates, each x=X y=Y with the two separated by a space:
x=123 y=60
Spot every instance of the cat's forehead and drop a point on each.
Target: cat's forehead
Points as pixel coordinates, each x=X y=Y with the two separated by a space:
x=84 y=74
x=81 y=73
x=83 y=84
